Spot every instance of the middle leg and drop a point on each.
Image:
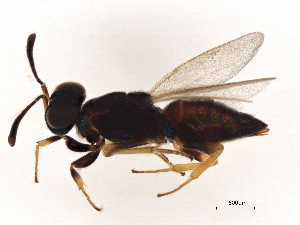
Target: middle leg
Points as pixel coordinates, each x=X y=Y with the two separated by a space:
x=83 y=162
x=136 y=147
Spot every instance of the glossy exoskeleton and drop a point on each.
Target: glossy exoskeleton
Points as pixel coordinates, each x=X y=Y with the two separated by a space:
x=196 y=122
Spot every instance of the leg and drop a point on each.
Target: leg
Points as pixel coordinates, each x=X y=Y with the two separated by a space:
x=70 y=142
x=196 y=172
x=84 y=161
x=206 y=160
x=196 y=154
x=200 y=152
x=166 y=160
x=212 y=151
x=130 y=148
x=179 y=168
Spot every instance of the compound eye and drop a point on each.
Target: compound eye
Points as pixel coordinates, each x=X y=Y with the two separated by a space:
x=64 y=107
x=60 y=116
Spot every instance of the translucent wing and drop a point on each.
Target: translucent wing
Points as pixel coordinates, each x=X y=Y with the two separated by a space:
x=213 y=67
x=231 y=94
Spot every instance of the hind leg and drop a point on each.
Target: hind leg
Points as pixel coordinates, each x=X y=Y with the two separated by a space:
x=206 y=153
x=206 y=160
x=200 y=156
x=199 y=168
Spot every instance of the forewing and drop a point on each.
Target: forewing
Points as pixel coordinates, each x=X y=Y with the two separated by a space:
x=213 y=67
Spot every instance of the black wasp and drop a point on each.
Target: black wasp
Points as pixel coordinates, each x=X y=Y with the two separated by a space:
x=199 y=118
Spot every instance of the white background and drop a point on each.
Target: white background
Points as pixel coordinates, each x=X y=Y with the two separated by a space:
x=129 y=45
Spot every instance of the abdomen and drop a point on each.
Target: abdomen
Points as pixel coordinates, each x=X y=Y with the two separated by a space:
x=209 y=121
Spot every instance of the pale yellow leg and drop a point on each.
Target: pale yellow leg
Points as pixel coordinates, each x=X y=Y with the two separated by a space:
x=107 y=151
x=175 y=168
x=166 y=160
x=196 y=172
x=40 y=144
x=178 y=167
x=82 y=162
x=77 y=178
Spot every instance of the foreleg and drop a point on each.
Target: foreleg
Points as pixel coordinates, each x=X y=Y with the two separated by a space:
x=70 y=143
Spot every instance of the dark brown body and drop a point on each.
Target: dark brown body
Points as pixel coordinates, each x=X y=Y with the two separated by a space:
x=121 y=117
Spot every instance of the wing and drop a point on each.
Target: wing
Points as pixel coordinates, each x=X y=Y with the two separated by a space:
x=231 y=94
x=211 y=68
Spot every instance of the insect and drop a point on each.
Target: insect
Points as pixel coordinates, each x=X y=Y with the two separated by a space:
x=199 y=118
